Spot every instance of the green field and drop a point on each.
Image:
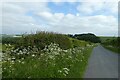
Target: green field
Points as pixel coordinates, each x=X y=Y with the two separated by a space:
x=104 y=38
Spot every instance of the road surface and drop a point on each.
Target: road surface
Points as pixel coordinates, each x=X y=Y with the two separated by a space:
x=102 y=64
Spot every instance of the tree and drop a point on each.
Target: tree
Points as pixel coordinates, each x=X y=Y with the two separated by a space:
x=88 y=37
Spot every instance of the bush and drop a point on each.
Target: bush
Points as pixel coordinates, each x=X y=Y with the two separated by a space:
x=114 y=42
x=10 y=40
x=40 y=39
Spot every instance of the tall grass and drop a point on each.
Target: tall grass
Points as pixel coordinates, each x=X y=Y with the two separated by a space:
x=51 y=62
x=112 y=44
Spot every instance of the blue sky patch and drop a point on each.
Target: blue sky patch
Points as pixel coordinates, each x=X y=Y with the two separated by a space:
x=63 y=7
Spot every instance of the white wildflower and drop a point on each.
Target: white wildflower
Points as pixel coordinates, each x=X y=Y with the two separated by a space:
x=22 y=58
x=70 y=57
x=59 y=71
x=81 y=60
x=28 y=52
x=5 y=44
x=66 y=69
x=10 y=66
x=19 y=61
x=12 y=62
x=14 y=51
x=51 y=56
x=65 y=50
x=9 y=45
x=9 y=59
x=18 y=53
x=64 y=74
x=29 y=77
x=23 y=62
x=10 y=71
x=33 y=55
x=13 y=58
x=13 y=69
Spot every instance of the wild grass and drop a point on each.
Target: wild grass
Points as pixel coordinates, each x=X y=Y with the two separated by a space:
x=52 y=62
x=78 y=43
x=114 y=49
x=0 y=59
x=46 y=55
x=0 y=46
x=112 y=43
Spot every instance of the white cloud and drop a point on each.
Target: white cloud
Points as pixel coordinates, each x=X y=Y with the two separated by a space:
x=12 y=9
x=59 y=16
x=16 y=19
x=93 y=7
x=77 y=14
x=23 y=7
x=17 y=24
x=99 y=24
x=46 y=15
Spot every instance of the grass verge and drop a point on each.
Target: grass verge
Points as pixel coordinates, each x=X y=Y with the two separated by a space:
x=79 y=69
x=113 y=49
x=51 y=63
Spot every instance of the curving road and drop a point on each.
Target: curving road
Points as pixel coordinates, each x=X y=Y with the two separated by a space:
x=102 y=64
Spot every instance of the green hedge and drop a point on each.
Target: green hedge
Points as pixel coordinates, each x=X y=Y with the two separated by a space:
x=40 y=39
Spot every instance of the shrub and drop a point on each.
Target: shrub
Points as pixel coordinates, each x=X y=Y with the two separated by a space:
x=87 y=37
x=10 y=40
x=40 y=39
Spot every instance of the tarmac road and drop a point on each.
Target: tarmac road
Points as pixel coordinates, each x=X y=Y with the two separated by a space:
x=102 y=64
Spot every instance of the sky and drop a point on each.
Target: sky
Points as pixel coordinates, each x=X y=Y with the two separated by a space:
x=100 y=18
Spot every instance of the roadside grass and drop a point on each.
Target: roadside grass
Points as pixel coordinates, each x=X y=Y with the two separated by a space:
x=0 y=68
x=114 y=49
x=53 y=61
x=79 y=69
x=0 y=46
x=111 y=43
x=74 y=62
x=0 y=59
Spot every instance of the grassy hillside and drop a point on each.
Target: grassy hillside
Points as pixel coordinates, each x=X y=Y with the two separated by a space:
x=46 y=55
